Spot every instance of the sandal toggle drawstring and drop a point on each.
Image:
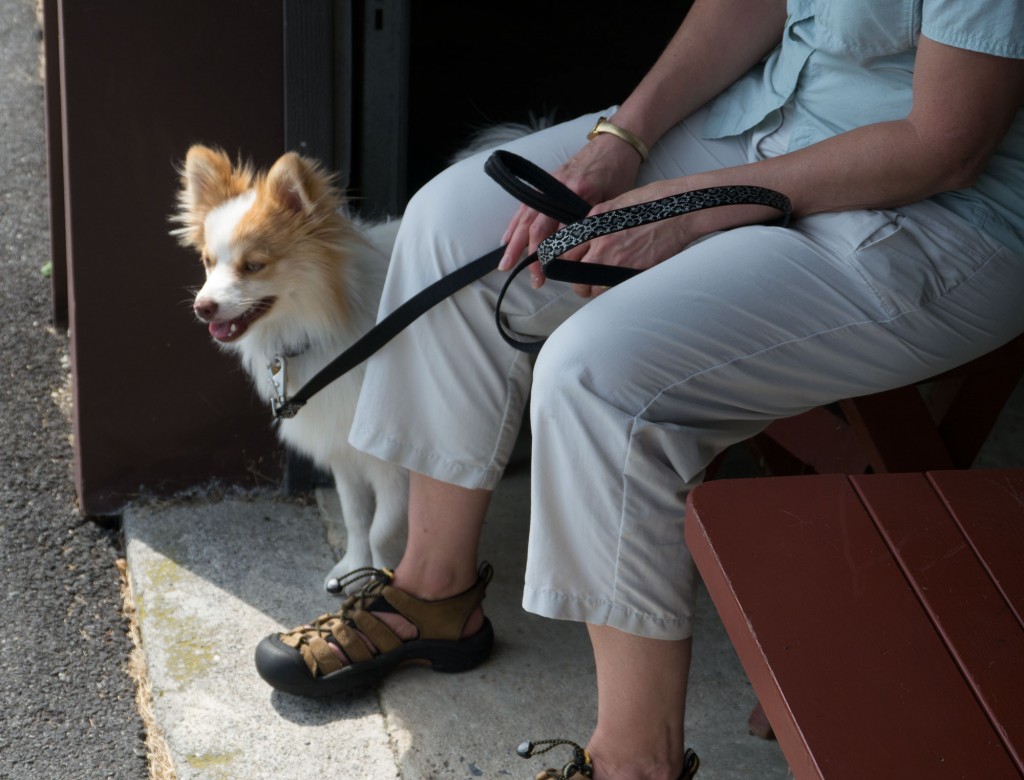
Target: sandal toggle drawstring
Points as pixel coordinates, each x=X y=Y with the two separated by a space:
x=581 y=766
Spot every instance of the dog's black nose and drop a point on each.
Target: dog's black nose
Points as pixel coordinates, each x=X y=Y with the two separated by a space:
x=205 y=310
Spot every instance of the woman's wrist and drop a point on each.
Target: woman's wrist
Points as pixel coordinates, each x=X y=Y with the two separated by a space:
x=623 y=134
x=608 y=151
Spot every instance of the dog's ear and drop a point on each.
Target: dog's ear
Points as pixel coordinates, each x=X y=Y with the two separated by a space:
x=296 y=184
x=207 y=180
x=300 y=185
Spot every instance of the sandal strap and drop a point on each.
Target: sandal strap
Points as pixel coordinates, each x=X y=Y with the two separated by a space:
x=690 y=765
x=350 y=643
x=346 y=629
x=581 y=766
x=443 y=618
x=377 y=631
x=318 y=654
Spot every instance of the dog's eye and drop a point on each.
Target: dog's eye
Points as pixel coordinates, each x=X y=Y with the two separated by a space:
x=251 y=268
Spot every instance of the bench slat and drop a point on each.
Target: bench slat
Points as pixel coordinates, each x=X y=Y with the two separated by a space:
x=842 y=655
x=955 y=586
x=992 y=517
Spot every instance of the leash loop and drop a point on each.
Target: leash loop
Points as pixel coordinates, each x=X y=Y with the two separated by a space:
x=535 y=187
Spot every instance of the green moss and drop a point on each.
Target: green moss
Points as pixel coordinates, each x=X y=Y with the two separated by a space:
x=193 y=651
x=162 y=575
x=212 y=762
x=191 y=656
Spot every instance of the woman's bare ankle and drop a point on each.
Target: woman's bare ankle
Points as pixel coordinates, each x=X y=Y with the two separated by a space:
x=433 y=582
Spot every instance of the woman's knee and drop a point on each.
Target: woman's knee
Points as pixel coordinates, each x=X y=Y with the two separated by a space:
x=460 y=196
x=574 y=373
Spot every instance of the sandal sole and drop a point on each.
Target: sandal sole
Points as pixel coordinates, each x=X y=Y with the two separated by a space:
x=283 y=669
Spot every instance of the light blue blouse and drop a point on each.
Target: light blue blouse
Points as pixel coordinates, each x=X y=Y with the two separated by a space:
x=847 y=63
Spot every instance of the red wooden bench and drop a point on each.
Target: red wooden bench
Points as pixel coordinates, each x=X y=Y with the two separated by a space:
x=880 y=618
x=939 y=424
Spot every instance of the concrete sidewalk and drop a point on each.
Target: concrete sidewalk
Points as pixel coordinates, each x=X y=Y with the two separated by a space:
x=211 y=577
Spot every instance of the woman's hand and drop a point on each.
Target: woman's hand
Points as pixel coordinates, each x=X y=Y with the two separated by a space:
x=639 y=247
x=603 y=169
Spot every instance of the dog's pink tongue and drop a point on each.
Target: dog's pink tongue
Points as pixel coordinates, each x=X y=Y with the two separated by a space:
x=226 y=331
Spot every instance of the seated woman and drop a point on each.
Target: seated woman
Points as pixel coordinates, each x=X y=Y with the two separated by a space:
x=894 y=126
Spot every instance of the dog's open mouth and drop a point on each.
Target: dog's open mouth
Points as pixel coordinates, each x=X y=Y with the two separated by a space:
x=231 y=330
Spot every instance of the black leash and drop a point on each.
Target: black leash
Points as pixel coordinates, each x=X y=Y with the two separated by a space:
x=377 y=336
x=543 y=192
x=521 y=178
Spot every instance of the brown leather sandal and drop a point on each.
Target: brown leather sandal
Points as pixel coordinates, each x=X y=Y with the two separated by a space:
x=303 y=662
x=580 y=766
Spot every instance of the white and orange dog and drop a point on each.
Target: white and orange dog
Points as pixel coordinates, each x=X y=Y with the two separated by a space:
x=289 y=273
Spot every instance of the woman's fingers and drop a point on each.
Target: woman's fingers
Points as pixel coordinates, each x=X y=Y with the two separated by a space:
x=588 y=290
x=515 y=239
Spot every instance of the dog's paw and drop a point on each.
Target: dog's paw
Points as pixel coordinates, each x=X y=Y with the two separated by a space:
x=346 y=565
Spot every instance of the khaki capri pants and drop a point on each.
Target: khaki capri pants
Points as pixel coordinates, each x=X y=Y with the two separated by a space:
x=637 y=390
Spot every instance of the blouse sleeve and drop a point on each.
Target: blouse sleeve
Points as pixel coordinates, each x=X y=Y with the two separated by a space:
x=987 y=26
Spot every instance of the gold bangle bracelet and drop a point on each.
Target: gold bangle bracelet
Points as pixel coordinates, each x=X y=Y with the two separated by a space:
x=604 y=126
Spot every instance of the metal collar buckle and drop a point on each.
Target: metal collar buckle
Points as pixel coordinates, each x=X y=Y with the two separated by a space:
x=277 y=371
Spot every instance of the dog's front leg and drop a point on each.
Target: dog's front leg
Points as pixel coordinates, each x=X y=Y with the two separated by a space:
x=356 y=499
x=390 y=527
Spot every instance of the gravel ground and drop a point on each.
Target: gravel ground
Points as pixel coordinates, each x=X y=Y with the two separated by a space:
x=66 y=703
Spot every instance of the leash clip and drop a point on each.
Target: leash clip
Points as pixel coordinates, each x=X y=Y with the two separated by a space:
x=277 y=371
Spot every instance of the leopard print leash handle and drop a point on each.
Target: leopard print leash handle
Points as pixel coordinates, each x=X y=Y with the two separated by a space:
x=538 y=189
x=573 y=235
